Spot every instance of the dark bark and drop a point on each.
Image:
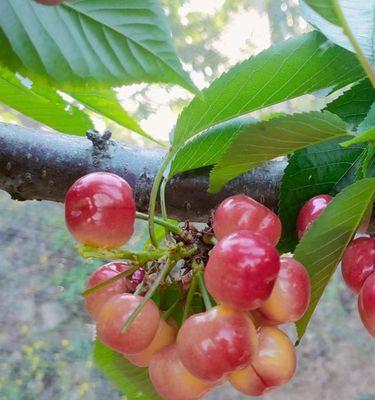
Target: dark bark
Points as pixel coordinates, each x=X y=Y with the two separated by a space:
x=40 y=165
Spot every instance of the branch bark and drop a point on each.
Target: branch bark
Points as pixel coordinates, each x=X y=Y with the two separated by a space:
x=39 y=165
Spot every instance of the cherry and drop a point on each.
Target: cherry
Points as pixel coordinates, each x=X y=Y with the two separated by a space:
x=172 y=380
x=273 y=365
x=213 y=343
x=310 y=211
x=241 y=270
x=100 y=210
x=95 y=301
x=240 y=212
x=50 y=2
x=358 y=262
x=135 y=280
x=290 y=296
x=366 y=304
x=165 y=335
x=141 y=332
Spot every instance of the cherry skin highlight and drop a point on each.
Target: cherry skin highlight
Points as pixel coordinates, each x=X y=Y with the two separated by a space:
x=216 y=342
x=242 y=270
x=366 y=304
x=165 y=335
x=310 y=211
x=172 y=380
x=358 y=262
x=141 y=332
x=100 y=210
x=240 y=212
x=273 y=365
x=290 y=296
x=95 y=301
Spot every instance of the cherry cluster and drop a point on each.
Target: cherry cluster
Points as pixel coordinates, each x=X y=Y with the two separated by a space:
x=358 y=271
x=247 y=288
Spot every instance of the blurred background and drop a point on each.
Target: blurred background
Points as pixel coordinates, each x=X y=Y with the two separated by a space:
x=46 y=338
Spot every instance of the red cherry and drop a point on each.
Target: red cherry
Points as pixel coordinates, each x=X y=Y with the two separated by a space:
x=290 y=296
x=310 y=211
x=273 y=365
x=241 y=270
x=165 y=335
x=100 y=210
x=172 y=380
x=240 y=212
x=358 y=262
x=95 y=301
x=50 y=2
x=366 y=304
x=216 y=342
x=135 y=280
x=141 y=332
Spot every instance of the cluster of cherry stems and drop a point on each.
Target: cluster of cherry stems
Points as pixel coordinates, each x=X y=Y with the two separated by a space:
x=252 y=287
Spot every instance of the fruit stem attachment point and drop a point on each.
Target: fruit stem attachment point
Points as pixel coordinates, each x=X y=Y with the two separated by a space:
x=121 y=275
x=169 y=264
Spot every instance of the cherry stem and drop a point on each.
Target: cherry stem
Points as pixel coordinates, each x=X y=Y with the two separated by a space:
x=139 y=288
x=137 y=258
x=163 y=207
x=154 y=195
x=189 y=298
x=163 y=273
x=167 y=313
x=162 y=222
x=203 y=290
x=121 y=275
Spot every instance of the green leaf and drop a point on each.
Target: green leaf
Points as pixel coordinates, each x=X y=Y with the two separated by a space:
x=103 y=102
x=323 y=245
x=368 y=163
x=286 y=70
x=116 y=42
x=325 y=9
x=359 y=16
x=369 y=121
x=206 y=148
x=42 y=103
x=325 y=168
x=367 y=136
x=267 y=140
x=354 y=104
x=133 y=381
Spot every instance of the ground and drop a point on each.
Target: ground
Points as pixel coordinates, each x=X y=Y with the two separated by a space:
x=46 y=338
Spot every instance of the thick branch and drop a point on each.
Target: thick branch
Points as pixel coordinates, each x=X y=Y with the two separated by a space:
x=41 y=165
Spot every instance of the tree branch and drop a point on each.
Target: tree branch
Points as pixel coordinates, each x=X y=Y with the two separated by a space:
x=40 y=165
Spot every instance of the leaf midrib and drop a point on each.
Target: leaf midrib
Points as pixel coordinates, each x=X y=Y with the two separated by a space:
x=80 y=12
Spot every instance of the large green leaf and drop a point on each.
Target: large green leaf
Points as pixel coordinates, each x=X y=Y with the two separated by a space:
x=103 y=101
x=286 y=70
x=359 y=14
x=206 y=148
x=324 y=168
x=325 y=9
x=367 y=136
x=42 y=103
x=133 y=381
x=369 y=121
x=322 y=247
x=267 y=140
x=354 y=105
x=116 y=42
